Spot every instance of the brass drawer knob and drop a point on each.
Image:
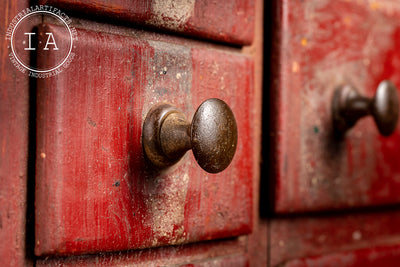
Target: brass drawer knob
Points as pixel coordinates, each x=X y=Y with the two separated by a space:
x=212 y=135
x=348 y=106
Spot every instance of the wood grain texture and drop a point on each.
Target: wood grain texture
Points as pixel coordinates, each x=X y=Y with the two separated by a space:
x=257 y=246
x=226 y=21
x=318 y=46
x=312 y=236
x=14 y=117
x=212 y=253
x=94 y=190
x=378 y=256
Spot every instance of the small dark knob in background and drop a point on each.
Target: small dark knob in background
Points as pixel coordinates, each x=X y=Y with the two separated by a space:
x=348 y=106
x=212 y=135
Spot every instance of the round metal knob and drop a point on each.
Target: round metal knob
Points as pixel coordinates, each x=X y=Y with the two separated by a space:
x=212 y=135
x=348 y=106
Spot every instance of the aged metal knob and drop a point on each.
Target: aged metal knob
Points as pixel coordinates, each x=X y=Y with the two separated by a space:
x=348 y=106
x=212 y=135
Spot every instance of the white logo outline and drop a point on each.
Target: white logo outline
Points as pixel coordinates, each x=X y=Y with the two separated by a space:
x=31 y=69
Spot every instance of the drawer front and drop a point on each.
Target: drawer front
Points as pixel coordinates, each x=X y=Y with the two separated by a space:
x=319 y=46
x=238 y=260
x=229 y=21
x=377 y=256
x=94 y=189
x=308 y=236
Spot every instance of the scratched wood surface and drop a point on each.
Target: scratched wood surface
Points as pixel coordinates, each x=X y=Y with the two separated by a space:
x=219 y=253
x=229 y=21
x=94 y=190
x=257 y=241
x=295 y=237
x=318 y=46
x=201 y=252
x=14 y=117
x=377 y=256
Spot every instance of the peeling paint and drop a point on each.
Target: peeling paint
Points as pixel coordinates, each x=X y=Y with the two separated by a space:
x=168 y=209
x=171 y=13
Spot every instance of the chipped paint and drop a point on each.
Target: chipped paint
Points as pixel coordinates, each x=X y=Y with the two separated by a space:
x=82 y=210
x=374 y=5
x=347 y=43
x=171 y=13
x=168 y=208
x=356 y=235
x=295 y=67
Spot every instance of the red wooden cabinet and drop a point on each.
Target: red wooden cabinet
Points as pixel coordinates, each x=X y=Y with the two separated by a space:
x=94 y=190
x=230 y=21
x=334 y=199
x=167 y=259
x=91 y=190
x=320 y=46
x=319 y=235
x=379 y=256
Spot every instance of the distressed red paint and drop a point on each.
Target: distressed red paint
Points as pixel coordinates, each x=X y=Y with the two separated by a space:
x=94 y=190
x=226 y=253
x=14 y=140
x=377 y=256
x=319 y=46
x=314 y=235
x=227 y=21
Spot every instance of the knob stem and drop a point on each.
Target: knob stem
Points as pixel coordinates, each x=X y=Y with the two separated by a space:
x=357 y=107
x=175 y=136
x=212 y=135
x=348 y=106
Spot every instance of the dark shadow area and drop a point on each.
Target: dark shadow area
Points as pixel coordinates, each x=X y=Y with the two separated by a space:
x=352 y=211
x=334 y=147
x=267 y=182
x=30 y=198
x=146 y=253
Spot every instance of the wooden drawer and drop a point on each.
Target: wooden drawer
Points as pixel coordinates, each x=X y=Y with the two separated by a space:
x=94 y=190
x=320 y=45
x=215 y=253
x=317 y=236
x=378 y=256
x=229 y=21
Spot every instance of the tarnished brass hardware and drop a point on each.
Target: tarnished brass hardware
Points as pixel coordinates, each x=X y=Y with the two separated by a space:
x=348 y=106
x=212 y=135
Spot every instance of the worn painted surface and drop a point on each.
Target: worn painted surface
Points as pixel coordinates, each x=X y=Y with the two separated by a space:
x=305 y=236
x=94 y=190
x=318 y=46
x=198 y=254
x=237 y=260
x=14 y=118
x=257 y=240
x=227 y=21
x=379 y=256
